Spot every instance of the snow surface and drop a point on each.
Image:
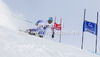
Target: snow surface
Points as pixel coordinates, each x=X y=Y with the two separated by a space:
x=5 y=16
x=15 y=44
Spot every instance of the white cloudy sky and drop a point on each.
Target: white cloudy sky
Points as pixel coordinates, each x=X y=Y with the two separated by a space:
x=71 y=11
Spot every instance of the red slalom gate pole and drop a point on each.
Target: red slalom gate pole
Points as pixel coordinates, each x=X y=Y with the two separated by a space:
x=60 y=30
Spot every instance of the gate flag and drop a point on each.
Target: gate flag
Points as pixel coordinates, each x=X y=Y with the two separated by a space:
x=90 y=27
x=57 y=26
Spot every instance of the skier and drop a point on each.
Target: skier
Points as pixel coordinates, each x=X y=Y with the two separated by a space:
x=41 y=29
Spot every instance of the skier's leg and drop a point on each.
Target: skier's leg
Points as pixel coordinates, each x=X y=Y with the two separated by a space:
x=33 y=31
x=41 y=33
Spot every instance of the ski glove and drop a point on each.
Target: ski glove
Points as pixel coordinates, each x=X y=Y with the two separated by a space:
x=46 y=26
x=52 y=36
x=36 y=24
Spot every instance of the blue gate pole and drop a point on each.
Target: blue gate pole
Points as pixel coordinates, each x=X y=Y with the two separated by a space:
x=82 y=30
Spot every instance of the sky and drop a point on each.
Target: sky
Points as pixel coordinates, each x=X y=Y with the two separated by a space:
x=71 y=12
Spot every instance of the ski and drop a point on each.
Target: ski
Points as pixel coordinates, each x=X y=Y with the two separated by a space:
x=31 y=33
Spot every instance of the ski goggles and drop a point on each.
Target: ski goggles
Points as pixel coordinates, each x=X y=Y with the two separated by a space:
x=49 y=21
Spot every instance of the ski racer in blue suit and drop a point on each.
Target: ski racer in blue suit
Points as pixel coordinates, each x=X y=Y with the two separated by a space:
x=42 y=26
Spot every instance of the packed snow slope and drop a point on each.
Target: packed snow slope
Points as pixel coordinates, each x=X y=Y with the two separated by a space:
x=5 y=16
x=14 y=44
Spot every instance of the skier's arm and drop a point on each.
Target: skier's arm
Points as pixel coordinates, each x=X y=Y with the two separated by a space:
x=52 y=28
x=40 y=21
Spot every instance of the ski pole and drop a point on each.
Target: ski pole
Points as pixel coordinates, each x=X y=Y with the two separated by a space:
x=21 y=19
